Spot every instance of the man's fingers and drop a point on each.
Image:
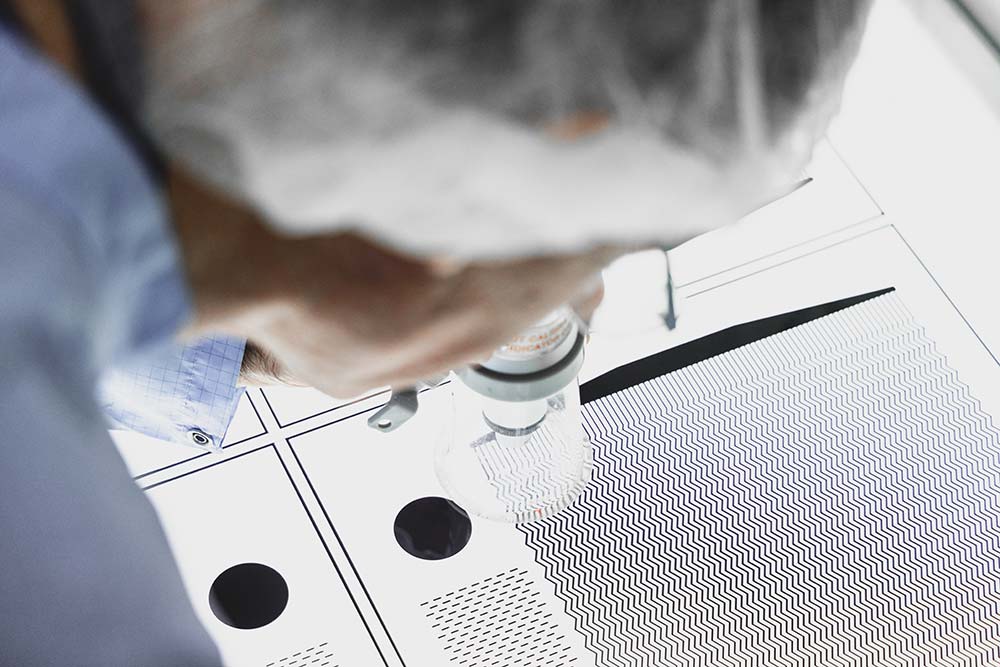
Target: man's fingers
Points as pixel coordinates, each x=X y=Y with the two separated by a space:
x=588 y=303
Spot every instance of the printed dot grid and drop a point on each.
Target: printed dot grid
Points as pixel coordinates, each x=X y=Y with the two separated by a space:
x=168 y=394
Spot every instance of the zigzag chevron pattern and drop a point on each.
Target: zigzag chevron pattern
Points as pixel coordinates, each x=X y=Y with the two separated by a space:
x=521 y=475
x=826 y=496
x=537 y=478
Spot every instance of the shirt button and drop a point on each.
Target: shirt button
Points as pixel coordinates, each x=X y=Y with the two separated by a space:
x=200 y=438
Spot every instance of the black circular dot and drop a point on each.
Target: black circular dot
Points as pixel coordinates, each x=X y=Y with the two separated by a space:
x=432 y=528
x=248 y=596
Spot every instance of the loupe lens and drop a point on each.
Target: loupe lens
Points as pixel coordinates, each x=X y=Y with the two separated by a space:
x=514 y=461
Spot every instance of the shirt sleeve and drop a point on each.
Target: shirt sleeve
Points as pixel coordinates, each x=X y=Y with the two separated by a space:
x=88 y=276
x=184 y=394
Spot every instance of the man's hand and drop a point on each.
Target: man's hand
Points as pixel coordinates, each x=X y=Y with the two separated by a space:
x=345 y=315
x=260 y=368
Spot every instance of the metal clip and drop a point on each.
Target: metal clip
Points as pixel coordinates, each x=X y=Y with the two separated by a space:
x=401 y=407
x=670 y=315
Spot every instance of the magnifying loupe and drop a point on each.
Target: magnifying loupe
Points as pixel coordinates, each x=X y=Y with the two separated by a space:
x=517 y=451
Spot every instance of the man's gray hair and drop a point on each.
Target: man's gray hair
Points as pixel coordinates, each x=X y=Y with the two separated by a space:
x=705 y=73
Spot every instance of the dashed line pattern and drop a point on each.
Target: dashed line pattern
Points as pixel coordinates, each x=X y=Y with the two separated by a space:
x=825 y=496
x=500 y=621
x=314 y=656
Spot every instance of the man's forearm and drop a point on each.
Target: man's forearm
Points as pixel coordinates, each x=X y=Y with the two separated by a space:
x=232 y=261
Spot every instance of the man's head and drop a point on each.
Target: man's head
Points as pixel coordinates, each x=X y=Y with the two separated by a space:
x=454 y=126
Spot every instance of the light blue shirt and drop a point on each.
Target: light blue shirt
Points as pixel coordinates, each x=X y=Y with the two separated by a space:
x=184 y=394
x=89 y=279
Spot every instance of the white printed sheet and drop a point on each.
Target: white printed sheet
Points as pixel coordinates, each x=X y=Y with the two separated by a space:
x=732 y=545
x=363 y=479
x=247 y=511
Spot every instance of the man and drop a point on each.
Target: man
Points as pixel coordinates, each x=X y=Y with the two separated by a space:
x=370 y=190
